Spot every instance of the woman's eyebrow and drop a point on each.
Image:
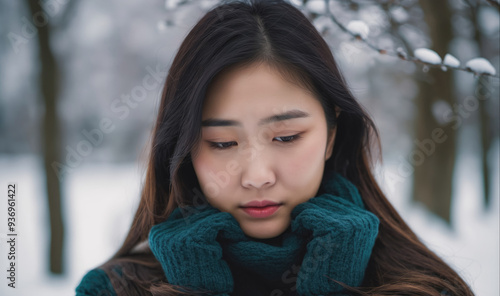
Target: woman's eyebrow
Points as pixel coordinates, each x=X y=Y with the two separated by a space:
x=292 y=114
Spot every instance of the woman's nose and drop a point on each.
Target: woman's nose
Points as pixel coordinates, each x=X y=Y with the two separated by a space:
x=258 y=171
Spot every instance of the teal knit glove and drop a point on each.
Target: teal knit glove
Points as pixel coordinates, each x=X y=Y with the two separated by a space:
x=343 y=235
x=186 y=246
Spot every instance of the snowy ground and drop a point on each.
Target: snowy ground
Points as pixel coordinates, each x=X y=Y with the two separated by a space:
x=97 y=195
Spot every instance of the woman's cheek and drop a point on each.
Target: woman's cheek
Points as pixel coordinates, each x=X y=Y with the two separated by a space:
x=308 y=158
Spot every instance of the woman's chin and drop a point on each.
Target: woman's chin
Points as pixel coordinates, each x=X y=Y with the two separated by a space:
x=263 y=229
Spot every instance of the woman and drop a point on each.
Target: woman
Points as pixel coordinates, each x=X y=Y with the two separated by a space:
x=259 y=179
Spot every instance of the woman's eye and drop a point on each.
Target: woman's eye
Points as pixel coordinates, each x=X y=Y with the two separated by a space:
x=288 y=139
x=221 y=145
x=227 y=145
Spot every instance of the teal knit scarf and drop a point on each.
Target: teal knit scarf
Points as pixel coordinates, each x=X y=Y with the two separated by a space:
x=331 y=236
x=270 y=259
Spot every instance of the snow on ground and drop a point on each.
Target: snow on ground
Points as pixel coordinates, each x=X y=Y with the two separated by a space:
x=471 y=244
x=95 y=195
x=99 y=194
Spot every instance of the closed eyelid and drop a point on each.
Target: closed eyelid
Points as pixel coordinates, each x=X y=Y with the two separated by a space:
x=224 y=145
x=231 y=138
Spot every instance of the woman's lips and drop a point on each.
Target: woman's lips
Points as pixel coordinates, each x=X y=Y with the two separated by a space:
x=261 y=209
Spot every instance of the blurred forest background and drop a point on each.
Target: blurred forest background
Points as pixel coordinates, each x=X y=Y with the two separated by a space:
x=80 y=83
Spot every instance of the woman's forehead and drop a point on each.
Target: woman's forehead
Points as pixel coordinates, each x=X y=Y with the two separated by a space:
x=251 y=87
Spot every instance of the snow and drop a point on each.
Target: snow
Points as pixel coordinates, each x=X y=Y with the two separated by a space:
x=401 y=52
x=100 y=200
x=323 y=23
x=318 y=7
x=98 y=206
x=427 y=56
x=358 y=28
x=161 y=25
x=399 y=14
x=450 y=60
x=480 y=66
x=297 y=3
x=208 y=4
x=171 y=4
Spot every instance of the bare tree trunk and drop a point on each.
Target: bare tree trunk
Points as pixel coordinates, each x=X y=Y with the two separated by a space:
x=484 y=116
x=486 y=134
x=434 y=160
x=48 y=79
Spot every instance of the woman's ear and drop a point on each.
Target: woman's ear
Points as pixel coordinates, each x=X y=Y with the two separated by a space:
x=337 y=111
x=331 y=136
x=330 y=143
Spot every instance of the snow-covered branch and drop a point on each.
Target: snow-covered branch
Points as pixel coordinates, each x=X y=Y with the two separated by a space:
x=426 y=57
x=360 y=31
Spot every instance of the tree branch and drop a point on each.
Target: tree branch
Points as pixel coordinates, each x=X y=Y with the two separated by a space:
x=396 y=53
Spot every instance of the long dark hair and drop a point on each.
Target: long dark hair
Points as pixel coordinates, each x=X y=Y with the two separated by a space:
x=276 y=33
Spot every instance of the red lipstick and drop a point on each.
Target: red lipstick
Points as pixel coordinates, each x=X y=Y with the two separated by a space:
x=261 y=209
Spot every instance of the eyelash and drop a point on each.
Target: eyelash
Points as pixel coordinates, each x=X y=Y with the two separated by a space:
x=215 y=145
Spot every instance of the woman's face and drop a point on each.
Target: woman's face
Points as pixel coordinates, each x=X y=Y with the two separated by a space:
x=263 y=148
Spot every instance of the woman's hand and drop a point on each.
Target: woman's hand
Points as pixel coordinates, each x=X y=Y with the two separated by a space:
x=343 y=235
x=186 y=246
